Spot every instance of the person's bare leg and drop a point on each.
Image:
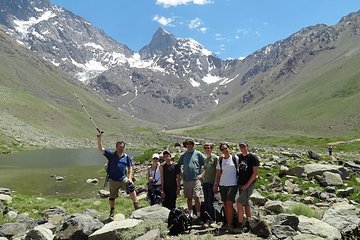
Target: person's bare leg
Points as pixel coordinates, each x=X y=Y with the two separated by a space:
x=240 y=209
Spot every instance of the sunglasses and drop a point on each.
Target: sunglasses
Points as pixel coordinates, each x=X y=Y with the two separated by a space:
x=207 y=147
x=223 y=148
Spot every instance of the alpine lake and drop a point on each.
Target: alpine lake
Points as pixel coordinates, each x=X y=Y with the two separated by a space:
x=35 y=172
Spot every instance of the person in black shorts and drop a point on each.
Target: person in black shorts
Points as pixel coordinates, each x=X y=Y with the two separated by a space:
x=170 y=181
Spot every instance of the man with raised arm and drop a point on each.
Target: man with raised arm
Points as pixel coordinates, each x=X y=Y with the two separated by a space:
x=120 y=172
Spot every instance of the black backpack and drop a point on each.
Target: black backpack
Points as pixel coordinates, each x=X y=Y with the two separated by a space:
x=178 y=222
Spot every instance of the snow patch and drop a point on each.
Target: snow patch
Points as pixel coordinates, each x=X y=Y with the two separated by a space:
x=93 y=45
x=211 y=79
x=194 y=83
x=23 y=26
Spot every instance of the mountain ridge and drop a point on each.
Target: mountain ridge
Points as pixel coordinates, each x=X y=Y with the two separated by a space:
x=176 y=82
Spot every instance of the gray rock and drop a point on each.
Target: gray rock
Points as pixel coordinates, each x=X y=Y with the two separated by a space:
x=274 y=206
x=5 y=198
x=295 y=171
x=39 y=233
x=16 y=229
x=260 y=228
x=78 y=226
x=345 y=217
x=258 y=199
x=54 y=211
x=330 y=179
x=283 y=231
x=309 y=200
x=104 y=193
x=355 y=166
x=311 y=170
x=110 y=230
x=345 y=192
x=319 y=228
x=287 y=219
x=5 y=191
x=154 y=212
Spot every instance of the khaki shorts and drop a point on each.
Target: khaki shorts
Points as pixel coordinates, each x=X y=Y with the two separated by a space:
x=244 y=195
x=192 y=189
x=115 y=186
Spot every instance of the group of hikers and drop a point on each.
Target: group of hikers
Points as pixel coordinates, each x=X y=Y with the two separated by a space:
x=231 y=174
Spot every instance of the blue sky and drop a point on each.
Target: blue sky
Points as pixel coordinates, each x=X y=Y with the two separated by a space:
x=228 y=28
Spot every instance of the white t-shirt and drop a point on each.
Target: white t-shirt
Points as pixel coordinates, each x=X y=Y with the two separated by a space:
x=228 y=175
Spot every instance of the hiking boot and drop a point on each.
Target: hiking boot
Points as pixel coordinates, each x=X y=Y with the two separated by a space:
x=137 y=206
x=111 y=215
x=238 y=230
x=212 y=224
x=246 y=228
x=227 y=228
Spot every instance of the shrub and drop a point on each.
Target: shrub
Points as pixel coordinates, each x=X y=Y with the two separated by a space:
x=302 y=209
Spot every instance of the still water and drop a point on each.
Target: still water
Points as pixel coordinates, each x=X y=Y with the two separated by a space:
x=33 y=172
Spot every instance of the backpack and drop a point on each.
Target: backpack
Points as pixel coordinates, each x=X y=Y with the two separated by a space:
x=178 y=222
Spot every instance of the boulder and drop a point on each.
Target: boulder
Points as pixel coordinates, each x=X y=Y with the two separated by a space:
x=330 y=179
x=345 y=192
x=258 y=199
x=5 y=191
x=286 y=219
x=319 y=228
x=78 y=226
x=283 y=231
x=5 y=198
x=154 y=212
x=274 y=206
x=311 y=170
x=260 y=228
x=111 y=230
x=344 y=217
x=313 y=155
x=39 y=233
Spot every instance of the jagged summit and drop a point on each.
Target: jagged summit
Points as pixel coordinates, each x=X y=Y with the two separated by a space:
x=160 y=44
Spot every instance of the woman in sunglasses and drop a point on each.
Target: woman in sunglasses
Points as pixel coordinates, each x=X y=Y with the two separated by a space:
x=226 y=180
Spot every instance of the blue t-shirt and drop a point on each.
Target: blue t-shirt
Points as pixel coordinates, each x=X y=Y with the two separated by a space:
x=192 y=162
x=117 y=165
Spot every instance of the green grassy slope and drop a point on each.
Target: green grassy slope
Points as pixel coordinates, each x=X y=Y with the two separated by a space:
x=37 y=101
x=320 y=101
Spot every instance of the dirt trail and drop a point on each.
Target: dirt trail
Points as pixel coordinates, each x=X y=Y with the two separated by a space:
x=343 y=142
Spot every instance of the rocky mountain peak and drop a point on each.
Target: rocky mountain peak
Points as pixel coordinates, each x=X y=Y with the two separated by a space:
x=160 y=44
x=21 y=9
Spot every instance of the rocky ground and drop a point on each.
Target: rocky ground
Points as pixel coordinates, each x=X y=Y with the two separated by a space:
x=280 y=191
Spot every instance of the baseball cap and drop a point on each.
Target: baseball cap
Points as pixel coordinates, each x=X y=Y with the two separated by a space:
x=243 y=144
x=189 y=140
x=155 y=155
x=166 y=152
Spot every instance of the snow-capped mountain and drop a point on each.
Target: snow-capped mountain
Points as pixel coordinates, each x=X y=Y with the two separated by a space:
x=66 y=40
x=181 y=72
x=171 y=80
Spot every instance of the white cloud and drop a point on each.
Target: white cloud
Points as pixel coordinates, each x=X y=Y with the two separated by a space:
x=163 y=20
x=219 y=37
x=195 y=23
x=243 y=31
x=174 y=3
x=203 y=29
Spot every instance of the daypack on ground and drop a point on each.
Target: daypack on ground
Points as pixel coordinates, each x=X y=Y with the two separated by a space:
x=178 y=222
